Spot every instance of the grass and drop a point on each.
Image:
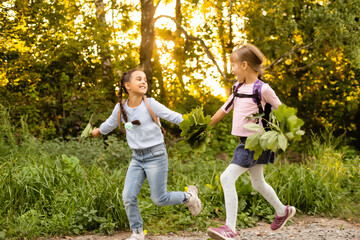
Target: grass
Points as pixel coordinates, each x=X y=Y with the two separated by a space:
x=69 y=187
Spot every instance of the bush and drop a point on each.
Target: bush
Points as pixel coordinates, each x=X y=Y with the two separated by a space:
x=69 y=187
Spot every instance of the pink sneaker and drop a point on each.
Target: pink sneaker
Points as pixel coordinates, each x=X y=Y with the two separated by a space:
x=279 y=222
x=222 y=233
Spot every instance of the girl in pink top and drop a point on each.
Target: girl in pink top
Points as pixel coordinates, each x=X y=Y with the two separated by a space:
x=246 y=64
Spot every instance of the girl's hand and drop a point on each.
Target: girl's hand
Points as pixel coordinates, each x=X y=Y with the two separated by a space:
x=96 y=132
x=220 y=114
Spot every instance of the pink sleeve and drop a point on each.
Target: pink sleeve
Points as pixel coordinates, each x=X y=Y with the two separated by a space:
x=226 y=103
x=268 y=94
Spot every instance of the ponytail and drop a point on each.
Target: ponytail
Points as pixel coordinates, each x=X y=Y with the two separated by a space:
x=124 y=78
x=252 y=55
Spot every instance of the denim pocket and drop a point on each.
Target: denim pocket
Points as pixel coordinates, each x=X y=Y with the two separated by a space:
x=158 y=153
x=158 y=150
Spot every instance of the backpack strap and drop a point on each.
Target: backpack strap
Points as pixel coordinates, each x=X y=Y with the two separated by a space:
x=256 y=96
x=266 y=117
x=156 y=119
x=267 y=108
x=257 y=88
x=258 y=101
x=236 y=86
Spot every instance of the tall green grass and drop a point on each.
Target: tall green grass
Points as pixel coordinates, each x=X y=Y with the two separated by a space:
x=42 y=194
x=69 y=187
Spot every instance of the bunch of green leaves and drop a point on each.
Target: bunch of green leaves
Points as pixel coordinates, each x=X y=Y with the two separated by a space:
x=196 y=129
x=88 y=129
x=284 y=128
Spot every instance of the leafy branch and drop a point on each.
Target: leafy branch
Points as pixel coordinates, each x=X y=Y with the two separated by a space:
x=284 y=128
x=188 y=36
x=196 y=129
x=88 y=129
x=202 y=43
x=294 y=49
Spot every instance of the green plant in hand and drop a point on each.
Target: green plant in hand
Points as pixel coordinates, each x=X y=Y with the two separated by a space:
x=88 y=129
x=196 y=129
x=284 y=128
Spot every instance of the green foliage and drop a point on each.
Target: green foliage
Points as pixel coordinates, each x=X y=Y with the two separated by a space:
x=7 y=136
x=50 y=65
x=284 y=128
x=325 y=174
x=71 y=187
x=87 y=131
x=196 y=129
x=314 y=47
x=52 y=54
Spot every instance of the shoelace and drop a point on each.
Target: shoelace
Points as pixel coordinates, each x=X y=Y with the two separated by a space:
x=279 y=220
x=227 y=231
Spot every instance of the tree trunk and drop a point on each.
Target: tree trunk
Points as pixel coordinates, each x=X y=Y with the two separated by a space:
x=147 y=39
x=179 y=50
x=104 y=50
x=224 y=43
x=157 y=74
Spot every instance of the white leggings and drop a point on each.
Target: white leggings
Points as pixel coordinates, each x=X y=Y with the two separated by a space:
x=228 y=179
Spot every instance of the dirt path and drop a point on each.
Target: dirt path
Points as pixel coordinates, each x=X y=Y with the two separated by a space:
x=301 y=228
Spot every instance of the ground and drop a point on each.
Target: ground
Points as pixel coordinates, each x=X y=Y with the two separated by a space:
x=301 y=228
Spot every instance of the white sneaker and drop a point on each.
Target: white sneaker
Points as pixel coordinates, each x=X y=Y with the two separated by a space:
x=194 y=203
x=137 y=236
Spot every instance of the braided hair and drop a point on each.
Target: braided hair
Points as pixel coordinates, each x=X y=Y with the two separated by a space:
x=125 y=78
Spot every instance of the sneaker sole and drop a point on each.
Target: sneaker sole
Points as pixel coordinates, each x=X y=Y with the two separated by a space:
x=195 y=210
x=217 y=236
x=292 y=214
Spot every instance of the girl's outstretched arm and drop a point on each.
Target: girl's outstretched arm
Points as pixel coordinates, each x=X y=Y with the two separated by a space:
x=220 y=114
x=163 y=112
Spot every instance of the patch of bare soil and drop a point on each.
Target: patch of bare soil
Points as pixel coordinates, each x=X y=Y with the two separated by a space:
x=301 y=228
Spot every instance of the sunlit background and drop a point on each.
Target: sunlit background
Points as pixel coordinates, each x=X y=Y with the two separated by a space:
x=210 y=77
x=165 y=48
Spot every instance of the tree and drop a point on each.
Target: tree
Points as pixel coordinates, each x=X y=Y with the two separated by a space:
x=103 y=39
x=57 y=58
x=311 y=49
x=49 y=65
x=147 y=38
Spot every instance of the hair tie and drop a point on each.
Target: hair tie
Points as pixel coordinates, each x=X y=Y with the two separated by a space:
x=128 y=126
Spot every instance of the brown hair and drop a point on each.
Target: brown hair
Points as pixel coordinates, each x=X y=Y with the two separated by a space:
x=251 y=54
x=126 y=77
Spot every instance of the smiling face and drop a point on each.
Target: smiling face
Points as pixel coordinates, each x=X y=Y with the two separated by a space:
x=137 y=84
x=238 y=69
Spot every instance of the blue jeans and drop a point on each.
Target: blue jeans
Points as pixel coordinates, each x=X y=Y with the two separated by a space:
x=150 y=163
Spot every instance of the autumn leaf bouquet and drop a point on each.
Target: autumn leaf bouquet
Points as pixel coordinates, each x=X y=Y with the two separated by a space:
x=284 y=128
x=195 y=128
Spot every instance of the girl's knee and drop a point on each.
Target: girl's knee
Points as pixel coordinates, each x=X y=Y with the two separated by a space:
x=129 y=198
x=225 y=178
x=231 y=174
x=159 y=200
x=259 y=186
